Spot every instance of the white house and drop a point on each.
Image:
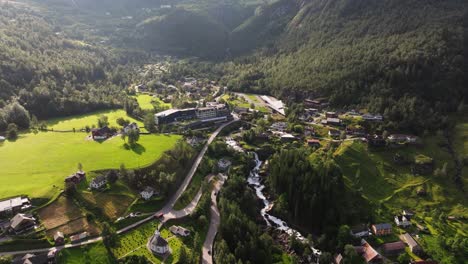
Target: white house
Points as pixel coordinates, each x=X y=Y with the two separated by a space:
x=158 y=245
x=360 y=231
x=147 y=193
x=178 y=230
x=2 y=139
x=401 y=220
x=98 y=182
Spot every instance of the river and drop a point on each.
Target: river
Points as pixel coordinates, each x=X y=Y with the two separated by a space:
x=255 y=181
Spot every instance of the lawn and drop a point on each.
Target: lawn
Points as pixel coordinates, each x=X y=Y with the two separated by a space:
x=242 y=102
x=95 y=254
x=35 y=163
x=145 y=101
x=81 y=121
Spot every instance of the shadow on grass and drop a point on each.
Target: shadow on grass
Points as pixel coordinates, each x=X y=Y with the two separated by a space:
x=137 y=148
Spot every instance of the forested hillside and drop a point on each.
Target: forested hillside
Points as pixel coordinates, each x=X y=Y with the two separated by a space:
x=403 y=59
x=50 y=74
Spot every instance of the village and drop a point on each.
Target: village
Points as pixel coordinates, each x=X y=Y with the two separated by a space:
x=205 y=107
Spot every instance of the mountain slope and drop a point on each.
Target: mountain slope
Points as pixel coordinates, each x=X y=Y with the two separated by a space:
x=400 y=58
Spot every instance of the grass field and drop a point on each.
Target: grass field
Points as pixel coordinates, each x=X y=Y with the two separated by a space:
x=392 y=187
x=134 y=243
x=145 y=101
x=91 y=254
x=241 y=102
x=81 y=121
x=34 y=163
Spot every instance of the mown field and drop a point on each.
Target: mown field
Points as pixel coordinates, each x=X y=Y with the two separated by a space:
x=145 y=101
x=91 y=254
x=81 y=121
x=35 y=164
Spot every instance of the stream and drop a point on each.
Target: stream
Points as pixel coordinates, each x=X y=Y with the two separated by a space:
x=255 y=181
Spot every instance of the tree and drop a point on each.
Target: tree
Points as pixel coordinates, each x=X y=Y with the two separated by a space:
x=5 y=260
x=150 y=123
x=17 y=114
x=404 y=258
x=184 y=258
x=103 y=121
x=343 y=135
x=133 y=137
x=80 y=166
x=122 y=122
x=12 y=131
x=112 y=176
x=108 y=235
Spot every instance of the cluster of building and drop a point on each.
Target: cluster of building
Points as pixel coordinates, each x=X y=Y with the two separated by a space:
x=105 y=132
x=372 y=255
x=159 y=245
x=212 y=112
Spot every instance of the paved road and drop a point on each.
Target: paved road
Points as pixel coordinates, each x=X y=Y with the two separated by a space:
x=207 y=251
x=167 y=209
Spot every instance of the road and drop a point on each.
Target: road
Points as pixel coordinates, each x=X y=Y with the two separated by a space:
x=168 y=208
x=207 y=250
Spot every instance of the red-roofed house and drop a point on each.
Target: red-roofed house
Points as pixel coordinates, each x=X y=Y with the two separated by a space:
x=369 y=254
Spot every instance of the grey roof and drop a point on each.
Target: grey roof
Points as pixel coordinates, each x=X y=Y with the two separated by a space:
x=13 y=202
x=158 y=241
x=58 y=235
x=383 y=226
x=18 y=219
x=32 y=259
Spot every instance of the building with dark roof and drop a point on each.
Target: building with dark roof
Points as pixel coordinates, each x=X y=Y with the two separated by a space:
x=98 y=182
x=158 y=245
x=394 y=248
x=22 y=223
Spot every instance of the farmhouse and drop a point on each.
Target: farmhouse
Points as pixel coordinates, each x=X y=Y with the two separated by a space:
x=147 y=193
x=78 y=237
x=14 y=205
x=59 y=238
x=360 y=231
x=287 y=138
x=101 y=133
x=22 y=223
x=394 y=248
x=412 y=244
x=76 y=177
x=332 y=121
x=382 y=229
x=318 y=103
x=130 y=127
x=402 y=221
x=313 y=143
x=36 y=258
x=369 y=254
x=98 y=182
x=333 y=133
x=180 y=231
x=158 y=245
x=279 y=126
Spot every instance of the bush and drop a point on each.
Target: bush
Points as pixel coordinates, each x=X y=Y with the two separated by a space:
x=12 y=131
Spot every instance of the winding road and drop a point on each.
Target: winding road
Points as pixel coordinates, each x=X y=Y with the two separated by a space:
x=167 y=209
x=207 y=250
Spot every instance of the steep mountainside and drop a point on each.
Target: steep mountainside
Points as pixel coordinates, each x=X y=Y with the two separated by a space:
x=403 y=59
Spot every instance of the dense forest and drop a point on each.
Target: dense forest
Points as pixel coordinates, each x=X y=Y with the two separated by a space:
x=313 y=194
x=51 y=75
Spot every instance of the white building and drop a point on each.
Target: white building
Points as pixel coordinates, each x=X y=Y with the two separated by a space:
x=401 y=220
x=98 y=182
x=147 y=193
x=158 y=245
x=180 y=231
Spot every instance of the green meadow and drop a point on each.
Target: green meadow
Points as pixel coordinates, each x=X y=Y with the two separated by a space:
x=35 y=163
x=146 y=101
x=81 y=121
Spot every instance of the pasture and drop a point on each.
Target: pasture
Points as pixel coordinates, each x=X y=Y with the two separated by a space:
x=146 y=102
x=36 y=164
